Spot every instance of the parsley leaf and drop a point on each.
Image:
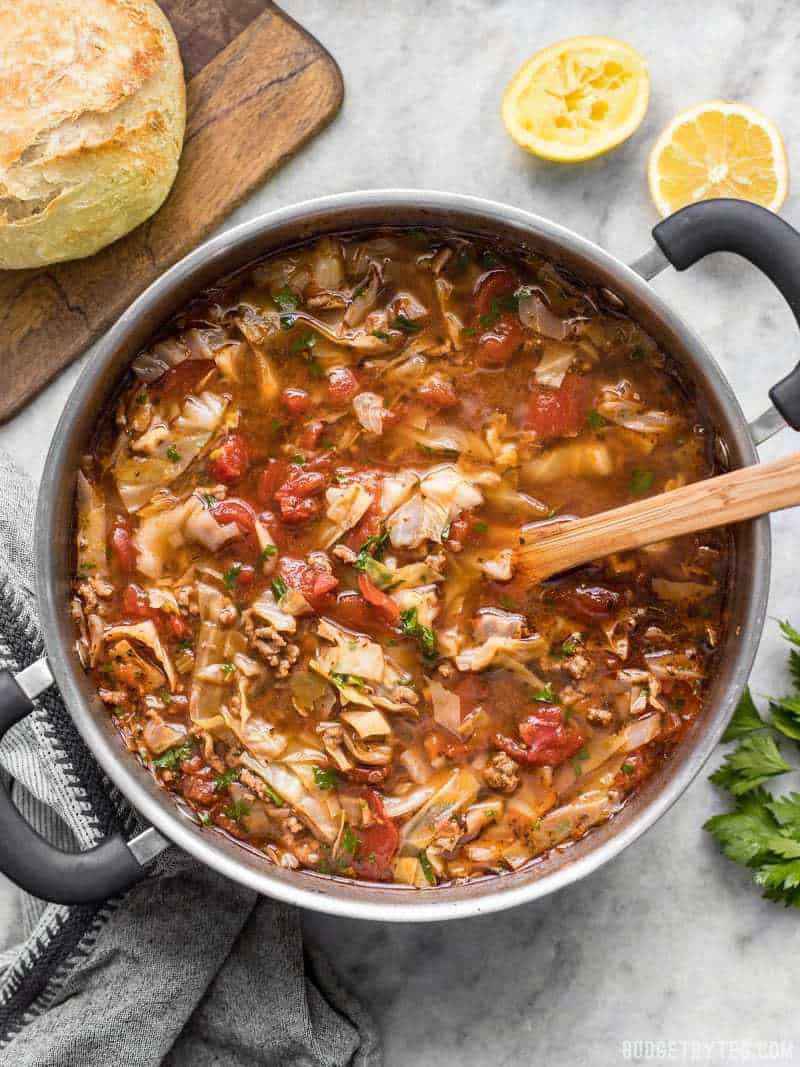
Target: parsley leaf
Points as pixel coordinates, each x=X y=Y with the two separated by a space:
x=427 y=869
x=371 y=549
x=304 y=343
x=545 y=694
x=231 y=576
x=170 y=759
x=786 y=716
x=756 y=760
x=325 y=778
x=744 y=835
x=786 y=810
x=287 y=301
x=236 y=811
x=407 y=325
x=412 y=627
x=641 y=481
x=745 y=719
x=349 y=841
x=222 y=781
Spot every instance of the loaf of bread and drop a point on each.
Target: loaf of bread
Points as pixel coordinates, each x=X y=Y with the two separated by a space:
x=92 y=114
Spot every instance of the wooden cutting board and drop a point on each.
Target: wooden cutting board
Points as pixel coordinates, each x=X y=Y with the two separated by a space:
x=258 y=88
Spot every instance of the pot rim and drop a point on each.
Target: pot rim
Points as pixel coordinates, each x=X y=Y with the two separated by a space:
x=337 y=897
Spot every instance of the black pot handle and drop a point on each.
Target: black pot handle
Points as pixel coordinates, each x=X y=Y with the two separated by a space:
x=759 y=236
x=25 y=857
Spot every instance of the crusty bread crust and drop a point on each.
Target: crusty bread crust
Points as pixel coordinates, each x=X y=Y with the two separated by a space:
x=92 y=115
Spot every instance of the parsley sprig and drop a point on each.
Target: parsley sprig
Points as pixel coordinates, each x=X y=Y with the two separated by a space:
x=763 y=831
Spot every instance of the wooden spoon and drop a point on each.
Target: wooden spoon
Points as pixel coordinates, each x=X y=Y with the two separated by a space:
x=742 y=494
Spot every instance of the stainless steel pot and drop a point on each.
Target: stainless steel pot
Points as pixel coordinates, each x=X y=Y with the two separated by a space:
x=115 y=864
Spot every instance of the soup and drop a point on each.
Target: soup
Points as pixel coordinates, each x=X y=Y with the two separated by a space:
x=296 y=586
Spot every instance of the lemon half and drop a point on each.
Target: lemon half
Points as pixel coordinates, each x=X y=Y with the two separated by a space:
x=577 y=99
x=718 y=149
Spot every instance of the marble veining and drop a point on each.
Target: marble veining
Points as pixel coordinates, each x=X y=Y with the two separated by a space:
x=669 y=942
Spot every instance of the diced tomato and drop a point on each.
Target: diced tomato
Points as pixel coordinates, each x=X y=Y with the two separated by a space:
x=548 y=740
x=230 y=460
x=185 y=376
x=377 y=843
x=342 y=385
x=246 y=576
x=296 y=401
x=368 y=775
x=559 y=412
x=353 y=611
x=499 y=343
x=271 y=479
x=136 y=603
x=492 y=285
x=312 y=431
x=122 y=545
x=176 y=626
x=588 y=602
x=299 y=496
x=438 y=392
x=316 y=584
x=237 y=511
x=382 y=602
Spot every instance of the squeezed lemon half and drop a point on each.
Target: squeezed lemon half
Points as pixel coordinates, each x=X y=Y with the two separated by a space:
x=718 y=149
x=577 y=99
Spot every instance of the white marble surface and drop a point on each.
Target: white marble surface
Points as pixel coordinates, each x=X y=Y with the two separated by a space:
x=670 y=942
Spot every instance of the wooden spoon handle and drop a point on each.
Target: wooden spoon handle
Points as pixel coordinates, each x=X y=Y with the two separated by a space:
x=742 y=494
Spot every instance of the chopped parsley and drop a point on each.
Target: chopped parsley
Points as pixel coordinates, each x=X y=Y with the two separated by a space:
x=577 y=759
x=596 y=420
x=236 y=811
x=545 y=694
x=117 y=710
x=637 y=353
x=382 y=335
x=371 y=549
x=628 y=769
x=209 y=499
x=349 y=841
x=568 y=648
x=427 y=870
x=325 y=778
x=228 y=669
x=231 y=575
x=185 y=644
x=165 y=695
x=170 y=759
x=222 y=781
x=412 y=627
x=288 y=302
x=354 y=680
x=297 y=460
x=480 y=527
x=304 y=343
x=641 y=481
x=276 y=798
x=205 y=818
x=315 y=368
x=85 y=567
x=407 y=325
x=267 y=552
x=507 y=603
x=279 y=588
x=141 y=398
x=173 y=455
